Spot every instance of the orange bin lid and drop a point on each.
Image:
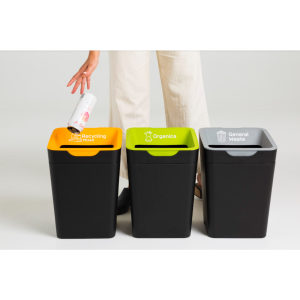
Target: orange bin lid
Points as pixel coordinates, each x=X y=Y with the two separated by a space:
x=85 y=143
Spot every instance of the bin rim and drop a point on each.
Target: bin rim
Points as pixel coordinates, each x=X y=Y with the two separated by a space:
x=166 y=131
x=206 y=145
x=88 y=137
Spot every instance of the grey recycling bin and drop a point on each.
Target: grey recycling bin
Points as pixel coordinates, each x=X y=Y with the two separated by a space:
x=237 y=166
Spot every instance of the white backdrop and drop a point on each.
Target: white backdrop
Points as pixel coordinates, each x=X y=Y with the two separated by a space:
x=233 y=79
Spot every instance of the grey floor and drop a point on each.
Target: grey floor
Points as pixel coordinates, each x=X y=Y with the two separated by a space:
x=26 y=209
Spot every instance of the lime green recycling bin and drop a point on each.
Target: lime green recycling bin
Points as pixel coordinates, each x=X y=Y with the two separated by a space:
x=162 y=166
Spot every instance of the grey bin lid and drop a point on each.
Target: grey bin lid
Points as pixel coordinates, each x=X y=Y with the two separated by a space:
x=242 y=141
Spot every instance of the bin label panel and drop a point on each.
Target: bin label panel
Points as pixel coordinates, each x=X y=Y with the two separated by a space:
x=171 y=139
x=217 y=137
x=85 y=143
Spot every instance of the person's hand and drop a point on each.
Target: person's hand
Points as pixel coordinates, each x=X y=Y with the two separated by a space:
x=84 y=74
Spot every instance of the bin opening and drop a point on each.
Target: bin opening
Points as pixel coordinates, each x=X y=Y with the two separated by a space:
x=161 y=146
x=86 y=146
x=235 y=146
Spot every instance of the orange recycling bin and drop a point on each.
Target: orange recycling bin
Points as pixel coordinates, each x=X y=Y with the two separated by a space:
x=84 y=171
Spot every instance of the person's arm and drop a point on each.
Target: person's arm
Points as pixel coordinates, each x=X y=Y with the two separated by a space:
x=84 y=74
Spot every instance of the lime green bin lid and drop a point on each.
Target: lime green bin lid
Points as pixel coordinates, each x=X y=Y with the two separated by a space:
x=161 y=141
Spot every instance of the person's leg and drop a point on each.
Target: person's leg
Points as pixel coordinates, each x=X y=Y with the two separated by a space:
x=129 y=88
x=183 y=90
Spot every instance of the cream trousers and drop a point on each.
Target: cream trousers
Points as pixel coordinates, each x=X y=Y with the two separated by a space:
x=182 y=85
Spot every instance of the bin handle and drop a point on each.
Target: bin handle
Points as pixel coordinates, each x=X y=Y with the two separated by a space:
x=83 y=153
x=241 y=153
x=162 y=152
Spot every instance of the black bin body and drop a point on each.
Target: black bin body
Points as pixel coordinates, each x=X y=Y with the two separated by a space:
x=162 y=189
x=237 y=166
x=85 y=191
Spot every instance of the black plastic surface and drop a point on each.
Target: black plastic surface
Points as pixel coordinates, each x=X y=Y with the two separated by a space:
x=85 y=194
x=222 y=157
x=162 y=193
x=143 y=157
x=103 y=157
